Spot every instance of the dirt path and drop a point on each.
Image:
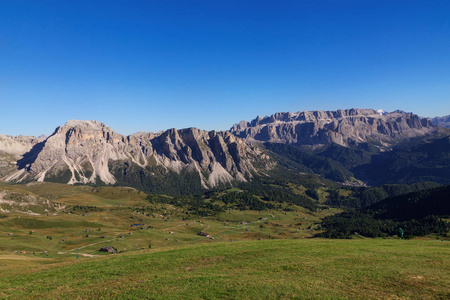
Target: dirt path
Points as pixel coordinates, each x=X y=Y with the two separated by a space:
x=90 y=245
x=81 y=254
x=84 y=254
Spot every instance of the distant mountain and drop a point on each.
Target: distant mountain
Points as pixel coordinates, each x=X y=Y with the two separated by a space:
x=362 y=128
x=91 y=152
x=372 y=146
x=17 y=145
x=342 y=145
x=11 y=149
x=442 y=121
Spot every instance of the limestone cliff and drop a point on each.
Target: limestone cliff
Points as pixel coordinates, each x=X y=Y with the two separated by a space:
x=83 y=152
x=349 y=127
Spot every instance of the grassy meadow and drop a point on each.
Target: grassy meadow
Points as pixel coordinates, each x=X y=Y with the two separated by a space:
x=274 y=269
x=249 y=254
x=84 y=219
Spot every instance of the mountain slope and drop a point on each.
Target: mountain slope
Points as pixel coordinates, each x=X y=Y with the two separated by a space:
x=90 y=152
x=417 y=213
x=376 y=147
x=424 y=160
x=18 y=200
x=348 y=157
x=300 y=161
x=414 y=205
x=11 y=149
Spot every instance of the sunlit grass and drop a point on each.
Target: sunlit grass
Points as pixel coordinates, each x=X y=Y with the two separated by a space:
x=359 y=269
x=249 y=254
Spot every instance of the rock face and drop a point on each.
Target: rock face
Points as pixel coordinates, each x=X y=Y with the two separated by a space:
x=349 y=127
x=13 y=148
x=85 y=151
x=17 y=145
x=442 y=121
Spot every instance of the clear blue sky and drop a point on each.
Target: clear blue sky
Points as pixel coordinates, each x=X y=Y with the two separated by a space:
x=154 y=65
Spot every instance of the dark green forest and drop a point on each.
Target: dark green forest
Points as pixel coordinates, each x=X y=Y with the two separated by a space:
x=303 y=162
x=418 y=213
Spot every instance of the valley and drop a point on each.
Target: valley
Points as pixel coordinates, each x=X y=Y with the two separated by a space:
x=165 y=246
x=88 y=218
x=224 y=150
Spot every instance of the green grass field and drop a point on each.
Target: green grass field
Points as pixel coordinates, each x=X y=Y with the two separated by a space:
x=273 y=269
x=249 y=254
x=105 y=214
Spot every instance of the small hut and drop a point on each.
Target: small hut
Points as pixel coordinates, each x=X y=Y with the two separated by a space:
x=108 y=249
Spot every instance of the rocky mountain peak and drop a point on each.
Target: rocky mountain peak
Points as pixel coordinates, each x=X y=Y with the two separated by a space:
x=86 y=124
x=348 y=127
x=89 y=151
x=441 y=121
x=78 y=132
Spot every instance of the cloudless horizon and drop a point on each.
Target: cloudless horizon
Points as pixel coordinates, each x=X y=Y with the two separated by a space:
x=154 y=65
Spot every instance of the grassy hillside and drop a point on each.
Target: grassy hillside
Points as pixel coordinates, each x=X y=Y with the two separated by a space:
x=259 y=245
x=273 y=269
x=417 y=213
x=88 y=218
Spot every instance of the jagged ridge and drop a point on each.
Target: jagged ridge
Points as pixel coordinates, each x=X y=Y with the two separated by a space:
x=84 y=151
x=349 y=127
x=441 y=121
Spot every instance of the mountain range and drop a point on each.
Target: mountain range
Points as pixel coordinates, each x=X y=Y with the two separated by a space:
x=83 y=152
x=349 y=128
x=441 y=121
x=339 y=145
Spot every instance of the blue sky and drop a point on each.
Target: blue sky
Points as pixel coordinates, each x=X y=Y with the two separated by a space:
x=154 y=65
